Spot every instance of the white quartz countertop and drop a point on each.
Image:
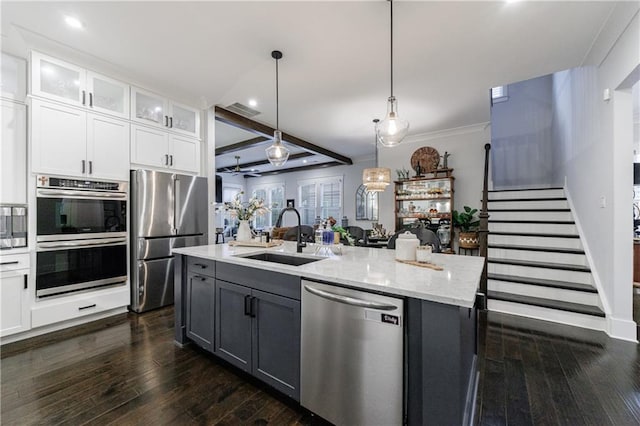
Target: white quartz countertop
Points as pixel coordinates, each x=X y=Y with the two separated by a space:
x=366 y=269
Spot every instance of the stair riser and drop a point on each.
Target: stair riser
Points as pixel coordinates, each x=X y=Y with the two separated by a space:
x=528 y=205
x=535 y=241
x=534 y=193
x=544 y=273
x=550 y=293
x=530 y=215
x=539 y=256
x=546 y=314
x=537 y=228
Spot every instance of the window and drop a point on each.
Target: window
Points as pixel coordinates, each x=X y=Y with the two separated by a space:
x=320 y=197
x=499 y=94
x=273 y=196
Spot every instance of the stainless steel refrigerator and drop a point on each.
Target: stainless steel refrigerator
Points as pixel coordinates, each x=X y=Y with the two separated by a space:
x=167 y=211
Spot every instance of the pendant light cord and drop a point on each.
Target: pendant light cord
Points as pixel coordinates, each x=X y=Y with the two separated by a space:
x=391 y=43
x=375 y=140
x=277 y=99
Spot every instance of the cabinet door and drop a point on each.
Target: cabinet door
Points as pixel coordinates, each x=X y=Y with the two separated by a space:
x=184 y=119
x=107 y=95
x=57 y=80
x=13 y=154
x=148 y=108
x=14 y=304
x=14 y=78
x=107 y=147
x=58 y=139
x=276 y=342
x=233 y=324
x=149 y=147
x=200 y=310
x=184 y=154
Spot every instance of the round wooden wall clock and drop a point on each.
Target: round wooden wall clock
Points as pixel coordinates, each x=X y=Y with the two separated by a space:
x=427 y=158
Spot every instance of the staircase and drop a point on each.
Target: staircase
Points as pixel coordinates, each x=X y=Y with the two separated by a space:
x=536 y=263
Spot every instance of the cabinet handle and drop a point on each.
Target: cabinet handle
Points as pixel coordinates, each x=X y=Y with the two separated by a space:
x=26 y=282
x=247 y=305
x=15 y=262
x=166 y=121
x=170 y=122
x=86 y=307
x=171 y=160
x=202 y=265
x=166 y=159
x=90 y=99
x=84 y=97
x=198 y=277
x=83 y=166
x=90 y=167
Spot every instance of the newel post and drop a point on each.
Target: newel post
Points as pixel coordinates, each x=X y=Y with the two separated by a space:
x=483 y=233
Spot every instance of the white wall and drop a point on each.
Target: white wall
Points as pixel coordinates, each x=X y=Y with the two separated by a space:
x=466 y=146
x=599 y=169
x=352 y=176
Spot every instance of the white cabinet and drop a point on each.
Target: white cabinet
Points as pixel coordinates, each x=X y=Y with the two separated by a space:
x=64 y=82
x=152 y=109
x=14 y=294
x=157 y=148
x=13 y=154
x=69 y=141
x=13 y=78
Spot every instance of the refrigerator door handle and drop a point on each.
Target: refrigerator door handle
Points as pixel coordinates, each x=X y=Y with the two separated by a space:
x=176 y=204
x=349 y=300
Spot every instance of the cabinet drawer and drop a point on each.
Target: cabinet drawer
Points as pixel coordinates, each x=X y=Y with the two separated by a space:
x=61 y=310
x=260 y=279
x=11 y=262
x=199 y=266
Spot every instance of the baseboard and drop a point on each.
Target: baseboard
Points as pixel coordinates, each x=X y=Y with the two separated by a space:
x=622 y=329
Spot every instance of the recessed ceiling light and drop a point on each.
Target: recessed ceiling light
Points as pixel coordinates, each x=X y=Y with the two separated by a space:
x=304 y=161
x=74 y=22
x=253 y=103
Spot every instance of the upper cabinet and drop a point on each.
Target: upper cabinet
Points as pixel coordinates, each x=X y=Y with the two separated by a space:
x=14 y=78
x=155 y=110
x=64 y=82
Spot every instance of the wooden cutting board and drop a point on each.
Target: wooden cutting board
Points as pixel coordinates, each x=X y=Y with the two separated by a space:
x=272 y=243
x=422 y=265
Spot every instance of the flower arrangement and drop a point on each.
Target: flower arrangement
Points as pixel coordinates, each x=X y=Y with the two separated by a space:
x=246 y=210
x=344 y=234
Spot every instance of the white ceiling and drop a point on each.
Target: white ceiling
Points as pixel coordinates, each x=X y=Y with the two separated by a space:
x=334 y=76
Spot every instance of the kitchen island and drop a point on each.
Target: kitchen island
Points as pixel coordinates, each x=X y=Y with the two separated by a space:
x=248 y=312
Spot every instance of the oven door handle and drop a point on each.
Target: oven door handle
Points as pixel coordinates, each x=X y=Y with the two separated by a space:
x=83 y=243
x=82 y=194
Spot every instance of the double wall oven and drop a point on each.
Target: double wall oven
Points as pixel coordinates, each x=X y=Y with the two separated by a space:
x=81 y=235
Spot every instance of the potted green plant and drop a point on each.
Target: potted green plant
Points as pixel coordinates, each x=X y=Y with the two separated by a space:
x=468 y=223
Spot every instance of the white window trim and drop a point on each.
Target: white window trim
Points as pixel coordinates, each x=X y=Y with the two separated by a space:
x=267 y=187
x=317 y=182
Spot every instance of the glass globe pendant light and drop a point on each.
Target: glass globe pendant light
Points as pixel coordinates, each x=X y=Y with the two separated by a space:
x=376 y=179
x=392 y=129
x=277 y=154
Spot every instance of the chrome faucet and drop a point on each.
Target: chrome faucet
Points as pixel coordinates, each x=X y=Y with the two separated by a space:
x=299 y=235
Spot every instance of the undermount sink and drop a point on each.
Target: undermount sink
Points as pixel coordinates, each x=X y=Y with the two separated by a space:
x=281 y=258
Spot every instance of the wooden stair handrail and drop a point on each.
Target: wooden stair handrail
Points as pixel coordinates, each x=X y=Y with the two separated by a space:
x=483 y=232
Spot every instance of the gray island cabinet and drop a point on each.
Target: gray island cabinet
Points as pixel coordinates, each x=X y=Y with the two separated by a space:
x=248 y=313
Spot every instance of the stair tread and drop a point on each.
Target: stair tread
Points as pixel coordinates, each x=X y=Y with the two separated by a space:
x=534 y=234
x=552 y=222
x=525 y=189
x=536 y=264
x=528 y=210
x=547 y=303
x=537 y=248
x=529 y=199
x=544 y=283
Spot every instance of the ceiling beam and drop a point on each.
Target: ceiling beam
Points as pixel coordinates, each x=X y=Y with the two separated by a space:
x=264 y=162
x=239 y=146
x=239 y=121
x=298 y=169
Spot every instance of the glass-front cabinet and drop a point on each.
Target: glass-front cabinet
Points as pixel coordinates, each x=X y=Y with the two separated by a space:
x=429 y=200
x=155 y=110
x=64 y=82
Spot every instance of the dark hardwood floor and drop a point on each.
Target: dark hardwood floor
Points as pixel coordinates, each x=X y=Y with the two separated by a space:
x=127 y=370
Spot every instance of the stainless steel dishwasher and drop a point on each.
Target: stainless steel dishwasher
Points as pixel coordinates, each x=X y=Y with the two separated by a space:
x=352 y=345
